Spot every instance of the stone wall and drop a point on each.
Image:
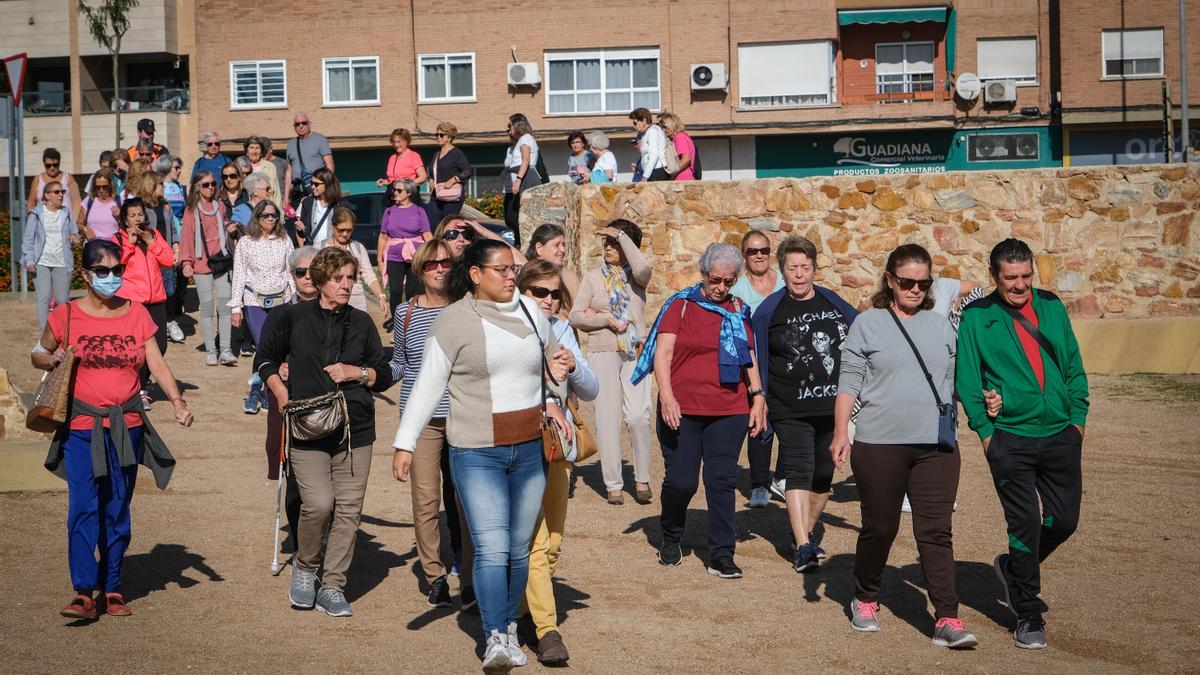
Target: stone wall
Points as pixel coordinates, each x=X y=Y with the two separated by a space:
x=1113 y=242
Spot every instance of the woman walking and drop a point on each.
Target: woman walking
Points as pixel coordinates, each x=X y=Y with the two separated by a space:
x=98 y=214
x=343 y=233
x=898 y=362
x=231 y=190
x=681 y=144
x=491 y=339
x=541 y=280
x=402 y=230
x=653 y=146
x=313 y=217
x=520 y=170
x=450 y=172
x=256 y=151
x=52 y=162
x=799 y=332
x=612 y=299
x=579 y=158
x=109 y=434
x=432 y=486
x=328 y=346
x=50 y=232
x=604 y=166
x=204 y=250
x=702 y=353
x=404 y=162
x=145 y=254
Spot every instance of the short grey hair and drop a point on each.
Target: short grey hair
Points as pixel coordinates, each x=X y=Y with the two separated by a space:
x=408 y=185
x=721 y=255
x=598 y=139
x=299 y=254
x=163 y=164
x=254 y=181
x=210 y=134
x=243 y=164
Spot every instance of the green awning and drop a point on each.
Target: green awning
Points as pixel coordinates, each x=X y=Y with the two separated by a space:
x=902 y=15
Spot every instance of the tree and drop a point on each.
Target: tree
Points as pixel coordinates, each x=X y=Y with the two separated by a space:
x=108 y=24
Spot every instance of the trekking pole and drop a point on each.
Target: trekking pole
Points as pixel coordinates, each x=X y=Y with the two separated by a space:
x=276 y=566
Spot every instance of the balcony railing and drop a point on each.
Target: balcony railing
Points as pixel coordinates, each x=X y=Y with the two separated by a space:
x=136 y=99
x=910 y=88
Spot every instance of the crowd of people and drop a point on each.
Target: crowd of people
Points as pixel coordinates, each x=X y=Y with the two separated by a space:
x=494 y=346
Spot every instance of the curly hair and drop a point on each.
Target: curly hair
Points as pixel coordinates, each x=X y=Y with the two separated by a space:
x=325 y=265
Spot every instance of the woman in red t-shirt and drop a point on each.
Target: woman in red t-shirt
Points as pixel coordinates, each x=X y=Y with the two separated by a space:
x=111 y=338
x=145 y=254
x=709 y=395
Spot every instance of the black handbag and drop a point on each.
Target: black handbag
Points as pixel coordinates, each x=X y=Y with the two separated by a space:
x=219 y=263
x=947 y=412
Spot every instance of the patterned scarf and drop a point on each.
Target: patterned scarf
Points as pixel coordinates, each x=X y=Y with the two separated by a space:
x=734 y=347
x=616 y=282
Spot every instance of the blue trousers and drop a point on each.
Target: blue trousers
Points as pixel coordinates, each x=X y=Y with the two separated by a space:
x=98 y=512
x=501 y=491
x=711 y=443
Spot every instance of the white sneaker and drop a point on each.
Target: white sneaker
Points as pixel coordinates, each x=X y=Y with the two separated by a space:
x=906 y=507
x=759 y=498
x=515 y=652
x=777 y=489
x=495 y=655
x=174 y=331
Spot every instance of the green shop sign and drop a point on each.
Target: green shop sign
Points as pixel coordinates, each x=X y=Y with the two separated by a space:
x=905 y=152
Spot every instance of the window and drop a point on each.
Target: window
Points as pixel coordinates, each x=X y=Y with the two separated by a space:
x=1133 y=53
x=258 y=84
x=447 y=77
x=352 y=81
x=609 y=81
x=786 y=74
x=1007 y=59
x=903 y=67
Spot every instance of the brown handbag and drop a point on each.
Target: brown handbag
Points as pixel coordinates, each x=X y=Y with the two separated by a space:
x=49 y=411
x=585 y=441
x=553 y=444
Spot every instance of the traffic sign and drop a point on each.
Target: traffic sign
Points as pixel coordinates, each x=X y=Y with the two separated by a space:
x=14 y=67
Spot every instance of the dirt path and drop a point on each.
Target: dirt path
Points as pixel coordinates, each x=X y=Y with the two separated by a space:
x=198 y=580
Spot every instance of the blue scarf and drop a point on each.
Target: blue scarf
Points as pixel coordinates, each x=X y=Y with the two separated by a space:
x=734 y=352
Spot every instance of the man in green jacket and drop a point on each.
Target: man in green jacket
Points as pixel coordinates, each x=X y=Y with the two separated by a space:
x=1018 y=342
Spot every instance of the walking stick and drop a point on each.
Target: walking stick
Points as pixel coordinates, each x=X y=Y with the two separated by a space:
x=276 y=566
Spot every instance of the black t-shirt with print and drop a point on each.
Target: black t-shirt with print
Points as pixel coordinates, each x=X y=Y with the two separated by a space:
x=805 y=341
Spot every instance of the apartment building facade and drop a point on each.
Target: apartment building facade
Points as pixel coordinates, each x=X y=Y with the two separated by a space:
x=69 y=97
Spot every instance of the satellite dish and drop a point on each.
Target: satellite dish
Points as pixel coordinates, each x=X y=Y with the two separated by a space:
x=967 y=86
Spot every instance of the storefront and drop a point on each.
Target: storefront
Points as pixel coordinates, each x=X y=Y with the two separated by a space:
x=906 y=152
x=1098 y=145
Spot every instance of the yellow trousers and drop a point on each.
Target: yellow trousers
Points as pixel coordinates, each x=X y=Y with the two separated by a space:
x=543 y=550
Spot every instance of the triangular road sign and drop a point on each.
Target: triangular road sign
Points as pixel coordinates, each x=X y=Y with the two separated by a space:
x=14 y=67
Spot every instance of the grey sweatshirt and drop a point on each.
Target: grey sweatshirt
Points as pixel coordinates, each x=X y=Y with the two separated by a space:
x=879 y=368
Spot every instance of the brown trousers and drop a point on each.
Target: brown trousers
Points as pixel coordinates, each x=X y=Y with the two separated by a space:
x=332 y=486
x=426 y=477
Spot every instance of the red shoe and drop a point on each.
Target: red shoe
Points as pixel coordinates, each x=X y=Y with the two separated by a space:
x=81 y=607
x=114 y=605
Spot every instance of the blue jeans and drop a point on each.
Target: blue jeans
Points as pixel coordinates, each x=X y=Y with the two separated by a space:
x=501 y=491
x=97 y=512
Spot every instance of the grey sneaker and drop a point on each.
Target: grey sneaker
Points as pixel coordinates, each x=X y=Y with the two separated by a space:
x=953 y=633
x=865 y=616
x=1000 y=564
x=228 y=359
x=515 y=653
x=174 y=332
x=303 y=591
x=211 y=359
x=1030 y=633
x=495 y=654
x=778 y=488
x=759 y=498
x=332 y=601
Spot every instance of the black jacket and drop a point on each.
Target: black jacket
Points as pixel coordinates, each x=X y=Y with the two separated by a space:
x=305 y=217
x=308 y=337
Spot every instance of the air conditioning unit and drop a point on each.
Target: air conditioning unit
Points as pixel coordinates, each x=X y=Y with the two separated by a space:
x=709 y=77
x=1002 y=147
x=524 y=74
x=1000 y=91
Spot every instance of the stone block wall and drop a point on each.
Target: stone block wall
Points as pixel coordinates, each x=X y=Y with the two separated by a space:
x=1113 y=242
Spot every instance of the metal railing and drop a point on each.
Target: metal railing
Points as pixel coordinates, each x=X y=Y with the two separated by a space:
x=148 y=98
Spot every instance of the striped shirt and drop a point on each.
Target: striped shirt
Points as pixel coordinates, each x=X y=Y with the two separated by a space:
x=409 y=348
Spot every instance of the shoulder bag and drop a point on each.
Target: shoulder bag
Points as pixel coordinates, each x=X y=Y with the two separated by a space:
x=670 y=156
x=311 y=419
x=219 y=263
x=49 y=411
x=947 y=412
x=445 y=194
x=554 y=445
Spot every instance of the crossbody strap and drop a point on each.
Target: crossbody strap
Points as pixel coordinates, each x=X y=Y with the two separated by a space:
x=542 y=350
x=1033 y=333
x=920 y=361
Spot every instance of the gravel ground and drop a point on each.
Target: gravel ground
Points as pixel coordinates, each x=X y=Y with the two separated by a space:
x=197 y=574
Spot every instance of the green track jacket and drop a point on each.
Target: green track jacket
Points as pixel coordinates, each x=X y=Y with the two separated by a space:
x=990 y=357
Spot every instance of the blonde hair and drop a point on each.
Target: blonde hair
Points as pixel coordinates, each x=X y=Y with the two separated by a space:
x=427 y=251
x=670 y=122
x=448 y=129
x=143 y=185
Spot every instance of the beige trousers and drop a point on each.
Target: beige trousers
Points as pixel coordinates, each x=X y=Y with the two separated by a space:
x=620 y=399
x=332 y=486
x=426 y=476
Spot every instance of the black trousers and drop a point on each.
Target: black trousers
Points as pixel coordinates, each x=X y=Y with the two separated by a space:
x=1040 y=485
x=716 y=443
x=158 y=312
x=175 y=300
x=512 y=212
x=437 y=209
x=758 y=452
x=659 y=174
x=804 y=450
x=403 y=282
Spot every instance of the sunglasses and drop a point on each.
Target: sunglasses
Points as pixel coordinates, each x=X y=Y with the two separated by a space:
x=612 y=242
x=213 y=144
x=431 y=265
x=53 y=192
x=757 y=251
x=440 y=135
x=101 y=186
x=227 y=176
x=103 y=272
x=721 y=281
x=906 y=284
x=268 y=215
x=318 y=182
x=300 y=272
x=207 y=184
x=51 y=165
x=540 y=292
x=451 y=235
x=300 y=124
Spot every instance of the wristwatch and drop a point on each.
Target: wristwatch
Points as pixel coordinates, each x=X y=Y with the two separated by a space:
x=754 y=392
x=364 y=376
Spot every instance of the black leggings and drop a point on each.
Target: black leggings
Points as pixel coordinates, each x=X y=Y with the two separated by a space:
x=158 y=312
x=403 y=282
x=804 y=450
x=512 y=215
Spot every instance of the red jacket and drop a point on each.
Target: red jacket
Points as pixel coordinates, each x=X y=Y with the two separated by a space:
x=143 y=280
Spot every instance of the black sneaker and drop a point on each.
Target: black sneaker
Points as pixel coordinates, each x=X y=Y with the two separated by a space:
x=670 y=554
x=723 y=567
x=467 y=598
x=439 y=593
x=246 y=350
x=1030 y=633
x=804 y=558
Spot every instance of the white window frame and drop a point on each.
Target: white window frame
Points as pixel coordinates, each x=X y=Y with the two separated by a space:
x=258 y=68
x=350 y=62
x=907 y=80
x=1162 y=56
x=830 y=94
x=604 y=56
x=1022 y=80
x=445 y=60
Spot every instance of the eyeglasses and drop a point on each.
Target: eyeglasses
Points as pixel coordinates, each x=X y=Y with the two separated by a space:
x=451 y=235
x=757 y=251
x=431 y=265
x=207 y=184
x=233 y=176
x=103 y=272
x=300 y=124
x=300 y=272
x=540 y=292
x=268 y=215
x=502 y=270
x=721 y=281
x=343 y=230
x=51 y=165
x=906 y=284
